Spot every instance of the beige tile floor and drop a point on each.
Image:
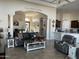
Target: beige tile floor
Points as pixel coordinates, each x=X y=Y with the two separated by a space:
x=48 y=53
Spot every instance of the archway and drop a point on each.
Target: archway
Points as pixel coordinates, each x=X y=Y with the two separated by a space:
x=30 y=21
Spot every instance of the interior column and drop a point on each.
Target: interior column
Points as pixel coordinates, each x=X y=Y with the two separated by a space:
x=48 y=29
x=11 y=25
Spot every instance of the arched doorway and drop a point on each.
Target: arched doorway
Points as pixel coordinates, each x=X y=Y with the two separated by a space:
x=30 y=21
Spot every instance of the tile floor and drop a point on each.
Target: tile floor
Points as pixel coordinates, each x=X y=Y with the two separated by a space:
x=48 y=53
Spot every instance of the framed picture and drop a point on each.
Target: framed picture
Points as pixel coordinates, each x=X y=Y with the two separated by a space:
x=16 y=23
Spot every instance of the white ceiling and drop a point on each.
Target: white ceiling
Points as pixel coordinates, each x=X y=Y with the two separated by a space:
x=51 y=3
x=72 y=7
x=64 y=5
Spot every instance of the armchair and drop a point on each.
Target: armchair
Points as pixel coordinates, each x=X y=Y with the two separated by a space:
x=63 y=45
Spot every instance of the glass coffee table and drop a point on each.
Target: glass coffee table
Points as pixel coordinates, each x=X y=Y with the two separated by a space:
x=34 y=45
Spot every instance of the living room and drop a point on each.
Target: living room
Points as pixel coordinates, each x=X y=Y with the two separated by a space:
x=39 y=19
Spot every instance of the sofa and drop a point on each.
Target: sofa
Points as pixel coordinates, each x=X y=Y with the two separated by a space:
x=63 y=45
x=24 y=37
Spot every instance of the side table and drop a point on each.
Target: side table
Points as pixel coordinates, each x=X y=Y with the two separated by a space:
x=72 y=52
x=10 y=42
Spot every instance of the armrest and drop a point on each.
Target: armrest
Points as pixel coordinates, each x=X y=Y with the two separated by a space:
x=58 y=41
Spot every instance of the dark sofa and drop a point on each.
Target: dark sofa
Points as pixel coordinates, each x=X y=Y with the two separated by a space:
x=25 y=37
x=63 y=45
x=29 y=36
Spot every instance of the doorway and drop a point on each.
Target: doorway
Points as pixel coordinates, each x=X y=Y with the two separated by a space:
x=38 y=22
